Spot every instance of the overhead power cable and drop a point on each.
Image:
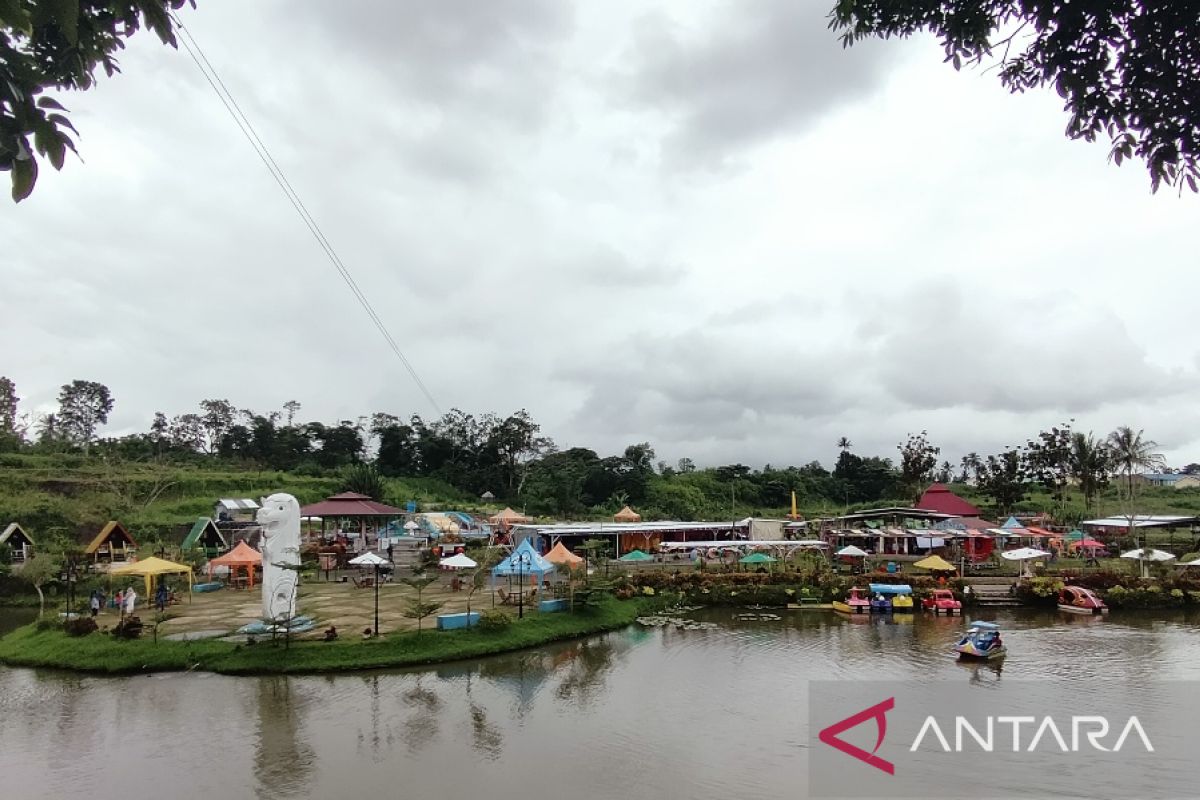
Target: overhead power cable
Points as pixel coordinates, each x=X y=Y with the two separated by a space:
x=243 y=122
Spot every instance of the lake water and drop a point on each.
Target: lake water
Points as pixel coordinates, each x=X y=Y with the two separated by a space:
x=637 y=713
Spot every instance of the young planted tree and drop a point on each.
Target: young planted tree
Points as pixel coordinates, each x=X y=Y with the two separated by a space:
x=416 y=607
x=40 y=570
x=478 y=579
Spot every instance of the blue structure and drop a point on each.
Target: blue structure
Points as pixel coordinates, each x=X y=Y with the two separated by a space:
x=522 y=562
x=448 y=622
x=553 y=605
x=888 y=589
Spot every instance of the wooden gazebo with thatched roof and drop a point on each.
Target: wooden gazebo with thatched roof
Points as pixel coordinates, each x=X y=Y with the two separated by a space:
x=19 y=542
x=112 y=543
x=627 y=514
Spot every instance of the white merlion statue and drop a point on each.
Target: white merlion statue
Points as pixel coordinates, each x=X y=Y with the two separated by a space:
x=280 y=520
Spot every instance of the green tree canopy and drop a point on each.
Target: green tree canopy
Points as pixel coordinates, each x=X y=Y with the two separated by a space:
x=59 y=44
x=1129 y=69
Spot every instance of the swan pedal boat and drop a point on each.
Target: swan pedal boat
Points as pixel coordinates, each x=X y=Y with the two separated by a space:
x=981 y=642
x=854 y=603
x=1078 y=600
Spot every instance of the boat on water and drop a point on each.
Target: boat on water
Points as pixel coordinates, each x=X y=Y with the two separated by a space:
x=854 y=603
x=889 y=597
x=1078 y=600
x=981 y=642
x=942 y=601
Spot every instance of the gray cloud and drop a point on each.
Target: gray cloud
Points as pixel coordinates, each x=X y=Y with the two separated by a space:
x=513 y=231
x=761 y=69
x=497 y=57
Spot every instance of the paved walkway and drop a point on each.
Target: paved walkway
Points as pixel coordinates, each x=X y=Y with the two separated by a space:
x=343 y=605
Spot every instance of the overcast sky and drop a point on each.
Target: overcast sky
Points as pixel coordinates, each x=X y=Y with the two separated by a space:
x=707 y=226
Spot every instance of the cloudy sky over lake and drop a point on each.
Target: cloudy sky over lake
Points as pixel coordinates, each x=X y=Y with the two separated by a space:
x=705 y=225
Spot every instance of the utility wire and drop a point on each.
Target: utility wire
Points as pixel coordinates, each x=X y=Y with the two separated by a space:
x=260 y=148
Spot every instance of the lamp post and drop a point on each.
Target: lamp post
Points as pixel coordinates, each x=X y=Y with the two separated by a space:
x=522 y=562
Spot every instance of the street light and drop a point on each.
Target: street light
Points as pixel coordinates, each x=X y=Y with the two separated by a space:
x=523 y=561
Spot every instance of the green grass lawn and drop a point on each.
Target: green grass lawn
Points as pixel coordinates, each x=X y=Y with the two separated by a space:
x=102 y=653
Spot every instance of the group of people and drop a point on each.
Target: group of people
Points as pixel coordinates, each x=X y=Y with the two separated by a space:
x=124 y=601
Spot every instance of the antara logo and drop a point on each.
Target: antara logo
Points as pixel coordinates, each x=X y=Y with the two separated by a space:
x=876 y=712
x=1045 y=733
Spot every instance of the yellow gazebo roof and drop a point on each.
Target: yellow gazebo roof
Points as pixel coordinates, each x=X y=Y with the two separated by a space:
x=150 y=568
x=935 y=564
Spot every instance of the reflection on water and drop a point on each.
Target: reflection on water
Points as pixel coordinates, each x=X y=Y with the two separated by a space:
x=638 y=713
x=282 y=758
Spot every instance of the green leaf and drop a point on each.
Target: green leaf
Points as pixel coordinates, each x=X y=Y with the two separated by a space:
x=60 y=120
x=12 y=15
x=24 y=176
x=48 y=102
x=65 y=14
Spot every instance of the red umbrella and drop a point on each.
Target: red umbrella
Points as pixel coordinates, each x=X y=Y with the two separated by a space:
x=1091 y=544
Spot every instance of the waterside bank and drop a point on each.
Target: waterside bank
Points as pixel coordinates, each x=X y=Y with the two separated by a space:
x=50 y=647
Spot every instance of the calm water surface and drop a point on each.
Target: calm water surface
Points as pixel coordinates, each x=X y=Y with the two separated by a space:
x=638 y=713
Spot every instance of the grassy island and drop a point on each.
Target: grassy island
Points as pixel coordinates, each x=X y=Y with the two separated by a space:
x=101 y=653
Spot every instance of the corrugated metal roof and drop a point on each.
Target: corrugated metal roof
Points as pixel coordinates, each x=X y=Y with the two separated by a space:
x=234 y=504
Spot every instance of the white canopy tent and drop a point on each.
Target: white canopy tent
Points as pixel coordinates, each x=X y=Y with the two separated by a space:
x=458 y=561
x=1024 y=555
x=1145 y=554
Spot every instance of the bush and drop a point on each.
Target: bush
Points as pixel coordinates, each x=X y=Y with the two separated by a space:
x=493 y=620
x=45 y=624
x=128 y=628
x=80 y=626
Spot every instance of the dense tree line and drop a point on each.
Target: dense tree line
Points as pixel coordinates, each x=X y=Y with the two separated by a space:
x=509 y=457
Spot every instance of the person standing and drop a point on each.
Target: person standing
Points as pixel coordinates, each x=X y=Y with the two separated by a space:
x=95 y=604
x=160 y=597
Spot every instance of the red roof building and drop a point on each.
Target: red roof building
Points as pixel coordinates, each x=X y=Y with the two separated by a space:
x=350 y=504
x=939 y=498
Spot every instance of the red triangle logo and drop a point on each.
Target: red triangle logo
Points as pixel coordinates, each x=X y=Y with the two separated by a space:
x=876 y=712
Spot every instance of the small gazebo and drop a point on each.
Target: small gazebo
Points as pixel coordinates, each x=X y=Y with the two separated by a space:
x=243 y=556
x=508 y=517
x=112 y=543
x=20 y=543
x=627 y=514
x=359 y=510
x=206 y=536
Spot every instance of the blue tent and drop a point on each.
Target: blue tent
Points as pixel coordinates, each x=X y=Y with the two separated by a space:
x=1011 y=523
x=523 y=561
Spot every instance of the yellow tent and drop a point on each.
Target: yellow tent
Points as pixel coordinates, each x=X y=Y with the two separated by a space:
x=935 y=564
x=150 y=568
x=559 y=554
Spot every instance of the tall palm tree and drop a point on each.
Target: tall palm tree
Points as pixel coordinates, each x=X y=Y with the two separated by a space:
x=1130 y=452
x=844 y=444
